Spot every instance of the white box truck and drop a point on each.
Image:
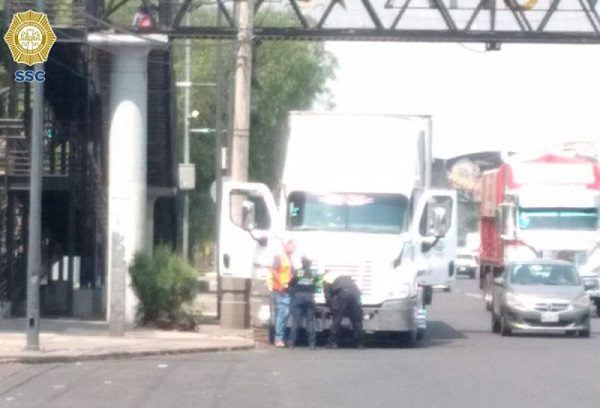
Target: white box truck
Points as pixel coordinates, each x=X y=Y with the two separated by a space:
x=355 y=196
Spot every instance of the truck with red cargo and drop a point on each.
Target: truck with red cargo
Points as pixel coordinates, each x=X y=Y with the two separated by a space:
x=542 y=206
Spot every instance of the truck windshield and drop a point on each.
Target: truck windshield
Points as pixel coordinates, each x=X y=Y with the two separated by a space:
x=558 y=219
x=374 y=213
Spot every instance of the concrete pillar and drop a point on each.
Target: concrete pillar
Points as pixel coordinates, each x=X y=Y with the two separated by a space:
x=127 y=149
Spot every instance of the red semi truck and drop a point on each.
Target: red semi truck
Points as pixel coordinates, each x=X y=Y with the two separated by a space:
x=543 y=206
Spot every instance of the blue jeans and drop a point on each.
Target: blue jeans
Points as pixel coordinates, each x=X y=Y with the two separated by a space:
x=282 y=311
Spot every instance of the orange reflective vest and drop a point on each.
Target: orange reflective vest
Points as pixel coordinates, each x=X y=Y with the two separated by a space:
x=279 y=278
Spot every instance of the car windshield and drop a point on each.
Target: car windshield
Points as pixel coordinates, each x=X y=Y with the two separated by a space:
x=558 y=218
x=376 y=213
x=543 y=274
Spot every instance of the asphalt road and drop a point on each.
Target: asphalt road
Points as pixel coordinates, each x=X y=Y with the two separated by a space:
x=461 y=364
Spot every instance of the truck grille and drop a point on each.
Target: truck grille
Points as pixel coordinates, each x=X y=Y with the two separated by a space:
x=576 y=257
x=361 y=273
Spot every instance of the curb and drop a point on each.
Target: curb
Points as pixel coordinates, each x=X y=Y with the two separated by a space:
x=119 y=355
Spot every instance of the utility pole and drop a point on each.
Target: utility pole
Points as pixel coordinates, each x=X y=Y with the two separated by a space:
x=185 y=233
x=219 y=159
x=34 y=239
x=243 y=77
x=235 y=292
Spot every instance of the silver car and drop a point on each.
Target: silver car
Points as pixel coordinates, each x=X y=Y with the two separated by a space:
x=540 y=295
x=466 y=263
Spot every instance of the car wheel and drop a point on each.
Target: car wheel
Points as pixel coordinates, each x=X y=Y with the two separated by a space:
x=495 y=323
x=505 y=329
x=472 y=274
x=598 y=308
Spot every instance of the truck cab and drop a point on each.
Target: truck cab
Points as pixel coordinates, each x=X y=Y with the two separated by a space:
x=355 y=198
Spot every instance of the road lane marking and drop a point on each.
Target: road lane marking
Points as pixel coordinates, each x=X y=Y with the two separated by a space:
x=474 y=295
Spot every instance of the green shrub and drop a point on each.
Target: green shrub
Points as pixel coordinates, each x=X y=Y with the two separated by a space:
x=163 y=282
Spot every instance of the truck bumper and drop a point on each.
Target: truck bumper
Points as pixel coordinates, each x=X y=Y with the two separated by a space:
x=393 y=315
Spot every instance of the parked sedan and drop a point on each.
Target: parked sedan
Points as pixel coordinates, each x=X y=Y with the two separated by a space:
x=540 y=295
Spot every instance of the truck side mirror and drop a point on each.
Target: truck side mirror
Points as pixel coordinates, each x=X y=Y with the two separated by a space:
x=508 y=216
x=248 y=215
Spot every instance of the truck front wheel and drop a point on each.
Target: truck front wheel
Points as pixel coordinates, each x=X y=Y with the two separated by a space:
x=427 y=294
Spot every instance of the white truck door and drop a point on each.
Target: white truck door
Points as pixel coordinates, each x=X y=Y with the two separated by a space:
x=248 y=216
x=437 y=249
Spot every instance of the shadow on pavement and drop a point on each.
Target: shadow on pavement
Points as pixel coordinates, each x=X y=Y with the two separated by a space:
x=438 y=333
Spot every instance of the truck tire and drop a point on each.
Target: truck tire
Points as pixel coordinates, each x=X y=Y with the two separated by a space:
x=411 y=338
x=427 y=294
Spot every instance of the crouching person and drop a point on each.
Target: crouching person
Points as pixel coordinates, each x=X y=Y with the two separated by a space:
x=343 y=298
x=302 y=291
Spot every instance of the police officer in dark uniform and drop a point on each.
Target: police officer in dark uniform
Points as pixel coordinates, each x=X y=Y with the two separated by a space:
x=343 y=298
x=302 y=290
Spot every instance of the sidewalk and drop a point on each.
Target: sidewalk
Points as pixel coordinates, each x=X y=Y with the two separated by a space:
x=75 y=340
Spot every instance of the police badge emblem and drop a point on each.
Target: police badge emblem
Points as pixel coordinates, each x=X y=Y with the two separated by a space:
x=30 y=37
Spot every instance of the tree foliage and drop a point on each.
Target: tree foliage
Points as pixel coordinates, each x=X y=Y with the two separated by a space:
x=287 y=75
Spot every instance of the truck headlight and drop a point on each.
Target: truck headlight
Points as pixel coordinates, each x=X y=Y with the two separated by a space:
x=401 y=292
x=582 y=301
